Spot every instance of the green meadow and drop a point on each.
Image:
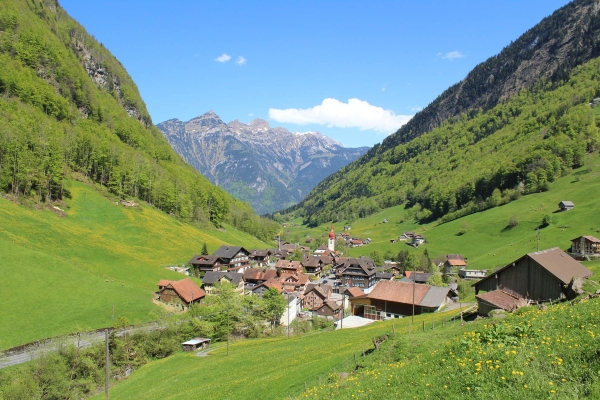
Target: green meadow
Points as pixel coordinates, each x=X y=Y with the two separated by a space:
x=64 y=274
x=264 y=368
x=486 y=238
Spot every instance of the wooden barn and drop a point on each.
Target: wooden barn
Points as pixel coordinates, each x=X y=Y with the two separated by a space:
x=539 y=277
x=195 y=344
x=184 y=291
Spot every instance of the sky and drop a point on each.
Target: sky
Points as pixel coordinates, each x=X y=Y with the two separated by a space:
x=355 y=71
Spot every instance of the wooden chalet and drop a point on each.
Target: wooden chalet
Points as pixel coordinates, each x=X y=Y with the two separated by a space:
x=260 y=290
x=259 y=275
x=315 y=296
x=312 y=265
x=453 y=263
x=330 y=309
x=536 y=277
x=184 y=292
x=196 y=344
x=202 y=263
x=584 y=246
x=289 y=267
x=211 y=278
x=359 y=272
x=236 y=258
x=259 y=257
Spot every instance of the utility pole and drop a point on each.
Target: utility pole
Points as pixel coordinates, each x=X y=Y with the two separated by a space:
x=342 y=320
x=227 y=326
x=414 y=287
x=107 y=365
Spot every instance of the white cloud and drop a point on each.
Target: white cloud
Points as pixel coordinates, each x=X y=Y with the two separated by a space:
x=223 y=58
x=452 y=55
x=333 y=113
x=251 y=114
x=241 y=60
x=416 y=108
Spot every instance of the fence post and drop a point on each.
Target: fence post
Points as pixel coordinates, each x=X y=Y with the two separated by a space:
x=394 y=329
x=423 y=326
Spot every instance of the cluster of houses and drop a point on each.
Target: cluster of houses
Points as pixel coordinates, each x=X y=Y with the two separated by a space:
x=411 y=238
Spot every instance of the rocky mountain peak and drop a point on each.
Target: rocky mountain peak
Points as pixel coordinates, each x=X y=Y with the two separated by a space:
x=259 y=124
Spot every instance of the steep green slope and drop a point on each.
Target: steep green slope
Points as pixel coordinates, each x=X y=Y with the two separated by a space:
x=64 y=274
x=474 y=162
x=68 y=105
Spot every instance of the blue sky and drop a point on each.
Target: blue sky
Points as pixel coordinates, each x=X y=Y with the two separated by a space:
x=353 y=70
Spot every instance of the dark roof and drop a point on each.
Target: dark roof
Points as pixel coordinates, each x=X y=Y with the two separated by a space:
x=364 y=263
x=212 y=277
x=500 y=299
x=259 y=274
x=567 y=203
x=311 y=261
x=384 y=275
x=185 y=288
x=259 y=253
x=332 y=305
x=203 y=259
x=226 y=251
x=553 y=260
x=419 y=276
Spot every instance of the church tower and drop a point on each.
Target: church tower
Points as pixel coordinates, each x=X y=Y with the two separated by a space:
x=331 y=242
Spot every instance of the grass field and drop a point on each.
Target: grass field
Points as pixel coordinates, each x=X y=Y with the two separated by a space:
x=63 y=275
x=489 y=242
x=263 y=368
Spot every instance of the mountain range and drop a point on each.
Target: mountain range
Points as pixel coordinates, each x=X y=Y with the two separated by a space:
x=269 y=167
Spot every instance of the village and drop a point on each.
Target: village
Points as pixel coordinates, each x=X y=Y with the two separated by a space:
x=351 y=292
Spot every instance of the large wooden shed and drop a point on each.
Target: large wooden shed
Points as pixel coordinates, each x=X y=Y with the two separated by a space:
x=541 y=276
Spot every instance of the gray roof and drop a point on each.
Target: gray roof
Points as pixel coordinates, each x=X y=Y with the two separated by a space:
x=384 y=275
x=435 y=297
x=567 y=203
x=212 y=277
x=228 y=251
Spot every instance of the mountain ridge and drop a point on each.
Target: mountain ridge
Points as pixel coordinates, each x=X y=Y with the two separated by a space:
x=269 y=167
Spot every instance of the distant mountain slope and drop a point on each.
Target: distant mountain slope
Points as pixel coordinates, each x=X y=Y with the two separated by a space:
x=68 y=105
x=271 y=168
x=480 y=143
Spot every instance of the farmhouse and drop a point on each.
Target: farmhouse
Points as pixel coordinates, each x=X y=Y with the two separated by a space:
x=566 y=205
x=330 y=309
x=536 y=277
x=257 y=276
x=204 y=263
x=453 y=263
x=184 y=292
x=235 y=257
x=418 y=240
x=259 y=257
x=392 y=299
x=211 y=278
x=315 y=296
x=289 y=267
x=312 y=265
x=585 y=246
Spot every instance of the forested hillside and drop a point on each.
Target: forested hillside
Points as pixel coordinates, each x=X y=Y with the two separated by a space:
x=67 y=105
x=492 y=148
x=477 y=161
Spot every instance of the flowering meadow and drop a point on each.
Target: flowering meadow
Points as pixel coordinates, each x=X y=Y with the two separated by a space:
x=552 y=352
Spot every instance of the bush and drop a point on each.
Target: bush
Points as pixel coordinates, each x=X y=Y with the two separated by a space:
x=514 y=221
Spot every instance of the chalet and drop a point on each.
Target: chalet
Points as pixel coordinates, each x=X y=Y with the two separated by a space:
x=235 y=257
x=289 y=267
x=257 y=276
x=312 y=265
x=322 y=249
x=211 y=278
x=566 y=205
x=359 y=272
x=330 y=309
x=536 y=277
x=203 y=263
x=355 y=242
x=294 y=283
x=289 y=247
x=260 y=290
x=195 y=344
x=418 y=240
x=183 y=292
x=453 y=263
x=259 y=257
x=393 y=299
x=315 y=296
x=278 y=254
x=583 y=246
x=383 y=276
x=347 y=227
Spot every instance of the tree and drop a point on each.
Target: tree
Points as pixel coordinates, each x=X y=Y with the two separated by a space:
x=436 y=279
x=376 y=257
x=514 y=221
x=204 y=249
x=274 y=305
x=547 y=220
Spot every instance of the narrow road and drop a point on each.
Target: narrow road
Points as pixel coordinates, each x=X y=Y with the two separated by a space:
x=81 y=340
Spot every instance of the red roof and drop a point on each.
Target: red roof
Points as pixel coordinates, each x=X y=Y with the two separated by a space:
x=399 y=292
x=355 y=292
x=185 y=288
x=501 y=300
x=456 y=262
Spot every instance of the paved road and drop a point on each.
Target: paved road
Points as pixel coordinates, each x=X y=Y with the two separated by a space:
x=82 y=340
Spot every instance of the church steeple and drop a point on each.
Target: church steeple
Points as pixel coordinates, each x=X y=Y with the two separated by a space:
x=331 y=241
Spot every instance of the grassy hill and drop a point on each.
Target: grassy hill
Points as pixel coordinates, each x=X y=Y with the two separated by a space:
x=488 y=241
x=532 y=354
x=65 y=273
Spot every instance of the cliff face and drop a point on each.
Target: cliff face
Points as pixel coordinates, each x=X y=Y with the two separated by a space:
x=271 y=168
